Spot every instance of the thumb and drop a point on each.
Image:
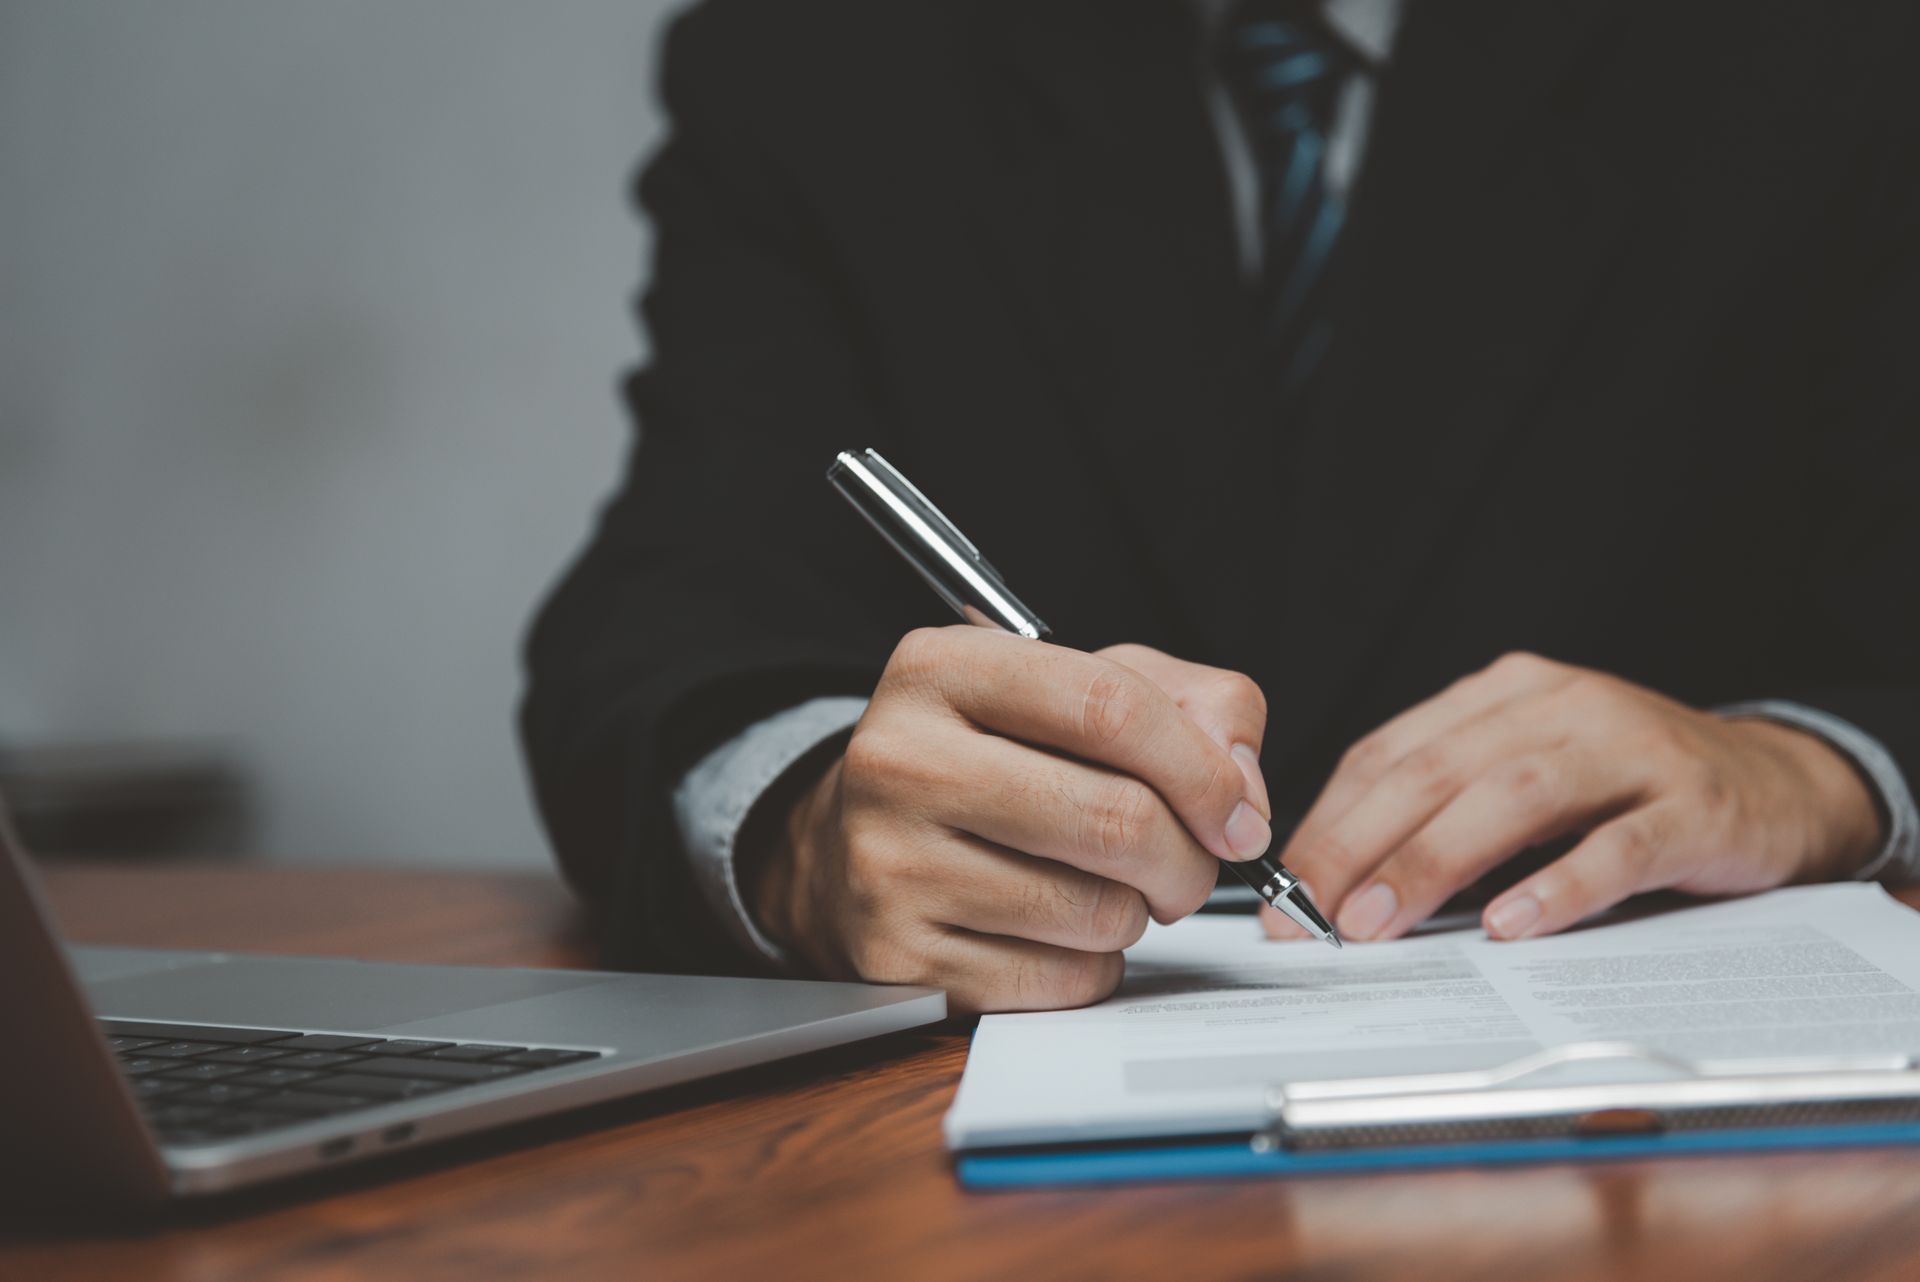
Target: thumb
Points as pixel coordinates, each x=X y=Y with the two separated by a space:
x=1228 y=706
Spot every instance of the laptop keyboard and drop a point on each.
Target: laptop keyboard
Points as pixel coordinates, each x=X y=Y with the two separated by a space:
x=200 y=1083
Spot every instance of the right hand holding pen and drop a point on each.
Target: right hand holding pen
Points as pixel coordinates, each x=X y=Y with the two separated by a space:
x=1008 y=814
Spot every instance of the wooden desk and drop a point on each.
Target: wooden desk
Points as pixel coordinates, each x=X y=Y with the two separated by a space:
x=831 y=1167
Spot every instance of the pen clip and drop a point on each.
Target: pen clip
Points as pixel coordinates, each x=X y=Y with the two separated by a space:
x=892 y=476
x=931 y=543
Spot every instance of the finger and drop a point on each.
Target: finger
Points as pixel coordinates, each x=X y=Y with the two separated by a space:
x=1517 y=804
x=1091 y=818
x=1390 y=810
x=996 y=891
x=1229 y=706
x=987 y=973
x=1097 y=710
x=1636 y=852
x=1509 y=678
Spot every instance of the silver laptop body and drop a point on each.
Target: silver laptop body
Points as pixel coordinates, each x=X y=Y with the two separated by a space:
x=71 y=1126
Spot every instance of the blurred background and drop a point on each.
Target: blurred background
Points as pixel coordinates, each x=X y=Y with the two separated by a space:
x=311 y=317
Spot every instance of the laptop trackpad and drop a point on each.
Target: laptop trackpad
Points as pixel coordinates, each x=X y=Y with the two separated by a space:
x=271 y=992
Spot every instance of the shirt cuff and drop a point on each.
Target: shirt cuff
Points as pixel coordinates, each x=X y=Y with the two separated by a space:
x=1899 y=859
x=712 y=802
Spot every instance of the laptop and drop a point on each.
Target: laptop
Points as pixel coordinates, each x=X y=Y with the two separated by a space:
x=140 y=1075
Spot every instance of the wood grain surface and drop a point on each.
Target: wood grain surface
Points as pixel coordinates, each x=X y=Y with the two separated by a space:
x=832 y=1167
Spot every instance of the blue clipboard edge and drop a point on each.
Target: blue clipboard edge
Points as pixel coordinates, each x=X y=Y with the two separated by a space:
x=1235 y=1158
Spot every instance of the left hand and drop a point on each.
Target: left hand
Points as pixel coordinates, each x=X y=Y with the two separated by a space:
x=1528 y=750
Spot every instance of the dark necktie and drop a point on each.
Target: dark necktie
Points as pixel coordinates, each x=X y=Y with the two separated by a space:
x=1283 y=71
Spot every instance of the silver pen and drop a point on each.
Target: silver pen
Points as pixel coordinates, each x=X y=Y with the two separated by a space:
x=965 y=580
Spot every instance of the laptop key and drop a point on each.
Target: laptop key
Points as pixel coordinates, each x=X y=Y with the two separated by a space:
x=181 y=1050
x=475 y=1050
x=545 y=1058
x=191 y=1032
x=324 y=1042
x=128 y=1045
x=382 y=1088
x=156 y=1087
x=307 y=1103
x=243 y=1055
x=202 y=1072
x=316 y=1059
x=218 y=1093
x=141 y=1066
x=166 y=1116
x=278 y=1077
x=439 y=1070
x=403 y=1046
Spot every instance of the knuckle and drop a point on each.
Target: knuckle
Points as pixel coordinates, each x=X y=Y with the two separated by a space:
x=1185 y=898
x=1430 y=767
x=1593 y=698
x=869 y=755
x=1416 y=866
x=1022 y=985
x=1101 y=976
x=1370 y=755
x=1119 y=821
x=881 y=958
x=1035 y=902
x=1519 y=665
x=867 y=879
x=921 y=652
x=1075 y=979
x=1117 y=917
x=1632 y=845
x=1239 y=690
x=1528 y=784
x=1111 y=704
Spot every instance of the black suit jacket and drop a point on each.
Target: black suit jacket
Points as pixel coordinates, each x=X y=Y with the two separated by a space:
x=1623 y=375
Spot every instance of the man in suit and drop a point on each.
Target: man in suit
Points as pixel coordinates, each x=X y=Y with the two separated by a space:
x=1442 y=430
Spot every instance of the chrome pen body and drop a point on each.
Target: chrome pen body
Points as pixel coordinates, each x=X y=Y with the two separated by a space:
x=954 y=568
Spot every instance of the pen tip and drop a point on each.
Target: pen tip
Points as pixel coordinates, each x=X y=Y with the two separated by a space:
x=1333 y=937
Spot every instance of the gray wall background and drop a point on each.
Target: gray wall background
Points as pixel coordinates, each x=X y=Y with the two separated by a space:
x=310 y=321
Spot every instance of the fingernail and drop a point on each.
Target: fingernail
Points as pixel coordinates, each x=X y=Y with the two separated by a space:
x=1512 y=918
x=1249 y=762
x=1247 y=833
x=1369 y=911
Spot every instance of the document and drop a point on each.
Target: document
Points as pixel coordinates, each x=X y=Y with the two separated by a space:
x=1211 y=1014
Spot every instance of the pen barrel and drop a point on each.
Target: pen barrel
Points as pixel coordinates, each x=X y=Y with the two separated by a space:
x=951 y=565
x=1281 y=890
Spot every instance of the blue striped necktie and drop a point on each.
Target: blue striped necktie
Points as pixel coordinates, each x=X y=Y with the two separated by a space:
x=1283 y=71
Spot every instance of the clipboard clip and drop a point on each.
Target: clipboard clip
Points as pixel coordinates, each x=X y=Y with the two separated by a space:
x=1588 y=1090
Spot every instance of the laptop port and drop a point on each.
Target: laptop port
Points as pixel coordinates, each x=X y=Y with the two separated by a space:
x=398 y=1134
x=337 y=1148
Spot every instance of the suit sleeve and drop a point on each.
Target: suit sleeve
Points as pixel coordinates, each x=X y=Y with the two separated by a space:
x=725 y=581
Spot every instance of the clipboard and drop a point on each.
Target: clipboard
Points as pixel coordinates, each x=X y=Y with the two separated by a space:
x=1546 y=1107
